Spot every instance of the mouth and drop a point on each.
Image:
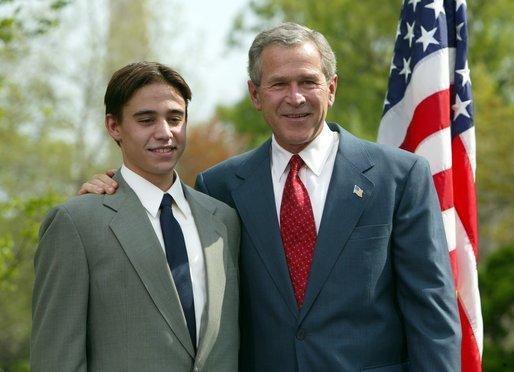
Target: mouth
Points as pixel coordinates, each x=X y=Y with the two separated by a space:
x=162 y=149
x=296 y=116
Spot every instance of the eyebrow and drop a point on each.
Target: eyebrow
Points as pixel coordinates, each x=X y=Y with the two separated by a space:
x=153 y=112
x=303 y=76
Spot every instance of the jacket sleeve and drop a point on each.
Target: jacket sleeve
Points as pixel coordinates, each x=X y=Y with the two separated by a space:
x=425 y=284
x=60 y=297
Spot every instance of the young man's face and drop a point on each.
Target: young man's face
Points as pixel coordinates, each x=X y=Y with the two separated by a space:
x=152 y=132
x=294 y=95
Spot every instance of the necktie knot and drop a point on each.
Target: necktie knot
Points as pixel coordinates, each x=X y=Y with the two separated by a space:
x=295 y=163
x=167 y=200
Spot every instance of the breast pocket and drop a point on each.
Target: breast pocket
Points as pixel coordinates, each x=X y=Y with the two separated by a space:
x=370 y=232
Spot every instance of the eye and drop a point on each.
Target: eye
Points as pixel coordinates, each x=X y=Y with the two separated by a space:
x=145 y=121
x=174 y=120
x=309 y=83
x=278 y=85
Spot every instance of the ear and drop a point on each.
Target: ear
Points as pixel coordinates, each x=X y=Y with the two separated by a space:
x=332 y=87
x=113 y=127
x=254 y=95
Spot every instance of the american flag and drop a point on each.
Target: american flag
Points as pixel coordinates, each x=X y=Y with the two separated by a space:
x=428 y=110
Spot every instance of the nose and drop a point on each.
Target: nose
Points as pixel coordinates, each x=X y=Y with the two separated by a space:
x=295 y=95
x=162 y=130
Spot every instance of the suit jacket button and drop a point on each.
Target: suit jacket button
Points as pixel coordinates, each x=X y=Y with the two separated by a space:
x=300 y=335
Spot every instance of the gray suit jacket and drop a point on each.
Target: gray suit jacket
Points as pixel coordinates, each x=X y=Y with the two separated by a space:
x=380 y=296
x=104 y=298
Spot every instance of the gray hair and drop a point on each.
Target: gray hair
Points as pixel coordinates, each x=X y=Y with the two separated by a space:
x=289 y=35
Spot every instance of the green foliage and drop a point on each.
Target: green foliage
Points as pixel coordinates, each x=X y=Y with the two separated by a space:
x=495 y=172
x=491 y=34
x=24 y=196
x=13 y=27
x=19 y=227
x=19 y=224
x=497 y=294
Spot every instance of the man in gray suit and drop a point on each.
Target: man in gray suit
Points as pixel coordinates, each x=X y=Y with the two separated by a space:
x=105 y=296
x=367 y=284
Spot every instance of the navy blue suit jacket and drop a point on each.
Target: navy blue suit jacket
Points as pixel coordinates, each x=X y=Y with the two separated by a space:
x=380 y=296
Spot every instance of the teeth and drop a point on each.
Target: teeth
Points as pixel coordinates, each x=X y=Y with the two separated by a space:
x=297 y=116
x=162 y=150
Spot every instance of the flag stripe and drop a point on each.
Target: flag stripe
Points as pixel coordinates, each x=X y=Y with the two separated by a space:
x=469 y=296
x=465 y=200
x=437 y=150
x=430 y=116
x=469 y=349
x=442 y=181
x=449 y=225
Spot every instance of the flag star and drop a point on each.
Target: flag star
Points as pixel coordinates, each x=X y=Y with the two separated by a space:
x=460 y=3
x=465 y=73
x=427 y=38
x=458 y=29
x=410 y=33
x=414 y=3
x=438 y=7
x=460 y=108
x=406 y=69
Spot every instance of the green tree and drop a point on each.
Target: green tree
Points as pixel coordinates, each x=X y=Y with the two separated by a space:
x=496 y=277
x=491 y=60
x=20 y=219
x=23 y=148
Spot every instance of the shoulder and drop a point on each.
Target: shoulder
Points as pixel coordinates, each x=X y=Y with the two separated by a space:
x=219 y=180
x=385 y=156
x=91 y=209
x=233 y=164
x=80 y=204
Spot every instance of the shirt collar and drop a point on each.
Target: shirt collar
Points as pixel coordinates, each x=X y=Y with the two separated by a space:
x=315 y=155
x=150 y=195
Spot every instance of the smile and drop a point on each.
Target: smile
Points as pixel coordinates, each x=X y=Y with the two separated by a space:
x=163 y=150
x=296 y=116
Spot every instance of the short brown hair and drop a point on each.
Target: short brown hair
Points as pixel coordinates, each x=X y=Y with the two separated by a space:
x=132 y=77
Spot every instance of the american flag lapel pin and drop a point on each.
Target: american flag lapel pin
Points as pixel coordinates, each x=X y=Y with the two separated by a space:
x=358 y=191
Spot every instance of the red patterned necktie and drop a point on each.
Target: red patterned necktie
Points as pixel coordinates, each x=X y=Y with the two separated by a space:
x=297 y=229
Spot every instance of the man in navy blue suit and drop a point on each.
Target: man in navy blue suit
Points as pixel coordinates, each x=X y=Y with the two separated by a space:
x=379 y=294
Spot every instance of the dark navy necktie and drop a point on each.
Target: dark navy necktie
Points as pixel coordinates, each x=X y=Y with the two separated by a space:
x=176 y=254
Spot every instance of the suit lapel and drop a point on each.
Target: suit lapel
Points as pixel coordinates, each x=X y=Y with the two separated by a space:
x=341 y=212
x=212 y=234
x=137 y=238
x=255 y=203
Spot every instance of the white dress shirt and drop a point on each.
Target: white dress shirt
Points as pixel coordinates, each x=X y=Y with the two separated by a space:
x=319 y=157
x=151 y=197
